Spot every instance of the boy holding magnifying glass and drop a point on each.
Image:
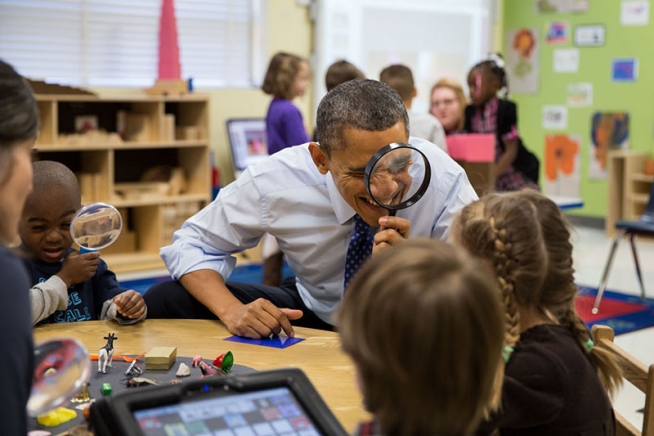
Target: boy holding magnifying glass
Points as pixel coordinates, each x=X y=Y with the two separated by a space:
x=67 y=286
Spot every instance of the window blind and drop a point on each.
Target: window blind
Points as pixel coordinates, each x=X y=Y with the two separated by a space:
x=114 y=43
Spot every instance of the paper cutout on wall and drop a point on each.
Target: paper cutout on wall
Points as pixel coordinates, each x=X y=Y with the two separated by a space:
x=609 y=131
x=624 y=70
x=562 y=174
x=580 y=94
x=557 y=32
x=560 y=5
x=634 y=13
x=566 y=60
x=590 y=35
x=555 y=117
x=522 y=60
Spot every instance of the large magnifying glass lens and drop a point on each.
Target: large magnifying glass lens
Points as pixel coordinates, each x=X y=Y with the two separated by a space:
x=62 y=367
x=397 y=176
x=96 y=226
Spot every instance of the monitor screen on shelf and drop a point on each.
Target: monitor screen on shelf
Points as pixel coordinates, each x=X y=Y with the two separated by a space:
x=248 y=141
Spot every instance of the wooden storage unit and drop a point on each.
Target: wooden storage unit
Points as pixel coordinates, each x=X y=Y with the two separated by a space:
x=164 y=132
x=628 y=187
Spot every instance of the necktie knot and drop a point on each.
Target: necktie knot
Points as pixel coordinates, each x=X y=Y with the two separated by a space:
x=359 y=248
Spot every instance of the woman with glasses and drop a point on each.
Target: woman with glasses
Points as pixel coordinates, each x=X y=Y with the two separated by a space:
x=448 y=101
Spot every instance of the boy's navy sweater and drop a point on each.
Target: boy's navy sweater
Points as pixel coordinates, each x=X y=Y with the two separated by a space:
x=85 y=299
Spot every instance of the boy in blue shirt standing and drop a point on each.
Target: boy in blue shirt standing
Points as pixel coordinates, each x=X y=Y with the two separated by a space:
x=67 y=286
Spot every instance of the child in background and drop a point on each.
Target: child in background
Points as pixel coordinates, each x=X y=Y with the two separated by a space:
x=516 y=167
x=551 y=383
x=67 y=286
x=421 y=125
x=424 y=326
x=287 y=78
x=448 y=103
x=340 y=72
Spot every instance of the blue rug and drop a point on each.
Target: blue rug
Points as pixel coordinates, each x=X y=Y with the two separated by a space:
x=245 y=274
x=622 y=312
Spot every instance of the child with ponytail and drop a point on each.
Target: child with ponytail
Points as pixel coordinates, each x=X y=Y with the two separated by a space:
x=516 y=167
x=551 y=384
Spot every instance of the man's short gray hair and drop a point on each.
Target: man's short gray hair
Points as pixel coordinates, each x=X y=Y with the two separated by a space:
x=362 y=104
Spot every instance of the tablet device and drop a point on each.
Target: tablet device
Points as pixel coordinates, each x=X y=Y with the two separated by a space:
x=248 y=142
x=279 y=402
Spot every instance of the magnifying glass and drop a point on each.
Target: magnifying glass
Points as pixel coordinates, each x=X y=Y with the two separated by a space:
x=397 y=176
x=62 y=368
x=96 y=226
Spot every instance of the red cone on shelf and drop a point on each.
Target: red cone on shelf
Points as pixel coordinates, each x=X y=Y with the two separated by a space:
x=169 y=67
x=169 y=80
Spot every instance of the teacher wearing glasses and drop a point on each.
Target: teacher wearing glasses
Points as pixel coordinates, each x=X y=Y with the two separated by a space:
x=448 y=102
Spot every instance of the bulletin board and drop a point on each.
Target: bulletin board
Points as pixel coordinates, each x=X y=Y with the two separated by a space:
x=595 y=88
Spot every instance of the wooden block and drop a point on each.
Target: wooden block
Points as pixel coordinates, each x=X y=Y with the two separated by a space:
x=161 y=358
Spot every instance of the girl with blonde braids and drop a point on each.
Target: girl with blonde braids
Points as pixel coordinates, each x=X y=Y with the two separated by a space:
x=560 y=290
x=551 y=385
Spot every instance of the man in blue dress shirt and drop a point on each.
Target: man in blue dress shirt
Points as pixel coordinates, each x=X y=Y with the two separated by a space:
x=306 y=197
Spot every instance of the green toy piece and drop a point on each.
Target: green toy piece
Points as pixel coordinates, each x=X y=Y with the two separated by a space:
x=106 y=388
x=225 y=361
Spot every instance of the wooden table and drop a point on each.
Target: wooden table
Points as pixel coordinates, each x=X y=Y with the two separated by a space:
x=319 y=355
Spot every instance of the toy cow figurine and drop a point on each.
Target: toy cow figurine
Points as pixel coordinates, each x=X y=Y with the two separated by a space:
x=106 y=353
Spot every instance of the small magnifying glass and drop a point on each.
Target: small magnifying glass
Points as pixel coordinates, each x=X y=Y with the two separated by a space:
x=96 y=226
x=397 y=176
x=61 y=369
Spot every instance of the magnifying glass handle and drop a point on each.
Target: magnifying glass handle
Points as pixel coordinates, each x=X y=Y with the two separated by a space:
x=391 y=212
x=83 y=250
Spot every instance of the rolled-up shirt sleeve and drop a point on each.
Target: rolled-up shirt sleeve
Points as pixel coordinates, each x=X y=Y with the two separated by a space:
x=208 y=240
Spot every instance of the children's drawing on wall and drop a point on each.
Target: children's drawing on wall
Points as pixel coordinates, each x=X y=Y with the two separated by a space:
x=566 y=60
x=580 y=94
x=557 y=32
x=624 y=70
x=555 y=117
x=561 y=5
x=609 y=131
x=634 y=13
x=522 y=60
x=562 y=174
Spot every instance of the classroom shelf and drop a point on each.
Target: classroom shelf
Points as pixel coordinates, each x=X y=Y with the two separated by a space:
x=155 y=132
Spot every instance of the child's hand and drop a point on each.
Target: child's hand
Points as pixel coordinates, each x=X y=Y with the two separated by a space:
x=130 y=304
x=78 y=267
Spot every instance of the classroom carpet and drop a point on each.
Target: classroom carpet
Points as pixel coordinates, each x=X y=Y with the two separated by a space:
x=622 y=312
x=252 y=273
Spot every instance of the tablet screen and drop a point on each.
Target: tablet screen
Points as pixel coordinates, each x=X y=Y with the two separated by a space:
x=260 y=413
x=248 y=140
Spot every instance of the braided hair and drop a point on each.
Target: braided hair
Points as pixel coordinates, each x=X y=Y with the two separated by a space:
x=559 y=288
x=506 y=234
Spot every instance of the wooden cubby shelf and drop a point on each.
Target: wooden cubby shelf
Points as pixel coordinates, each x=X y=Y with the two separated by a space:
x=628 y=187
x=146 y=155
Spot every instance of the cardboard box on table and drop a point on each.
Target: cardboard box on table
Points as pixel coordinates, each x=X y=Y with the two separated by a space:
x=475 y=153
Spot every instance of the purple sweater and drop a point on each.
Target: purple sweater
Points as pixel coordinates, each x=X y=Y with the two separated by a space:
x=284 y=125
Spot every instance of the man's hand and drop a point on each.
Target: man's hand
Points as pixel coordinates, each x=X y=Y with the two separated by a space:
x=78 y=267
x=260 y=319
x=393 y=230
x=130 y=304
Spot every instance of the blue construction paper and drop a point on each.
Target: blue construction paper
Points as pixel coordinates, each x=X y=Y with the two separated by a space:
x=274 y=342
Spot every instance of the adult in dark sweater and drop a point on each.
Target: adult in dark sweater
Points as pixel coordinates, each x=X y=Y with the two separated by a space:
x=19 y=125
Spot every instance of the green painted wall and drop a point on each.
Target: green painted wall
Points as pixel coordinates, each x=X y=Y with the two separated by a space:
x=637 y=98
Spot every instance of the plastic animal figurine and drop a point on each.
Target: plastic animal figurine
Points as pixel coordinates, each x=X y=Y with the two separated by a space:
x=106 y=353
x=135 y=382
x=220 y=366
